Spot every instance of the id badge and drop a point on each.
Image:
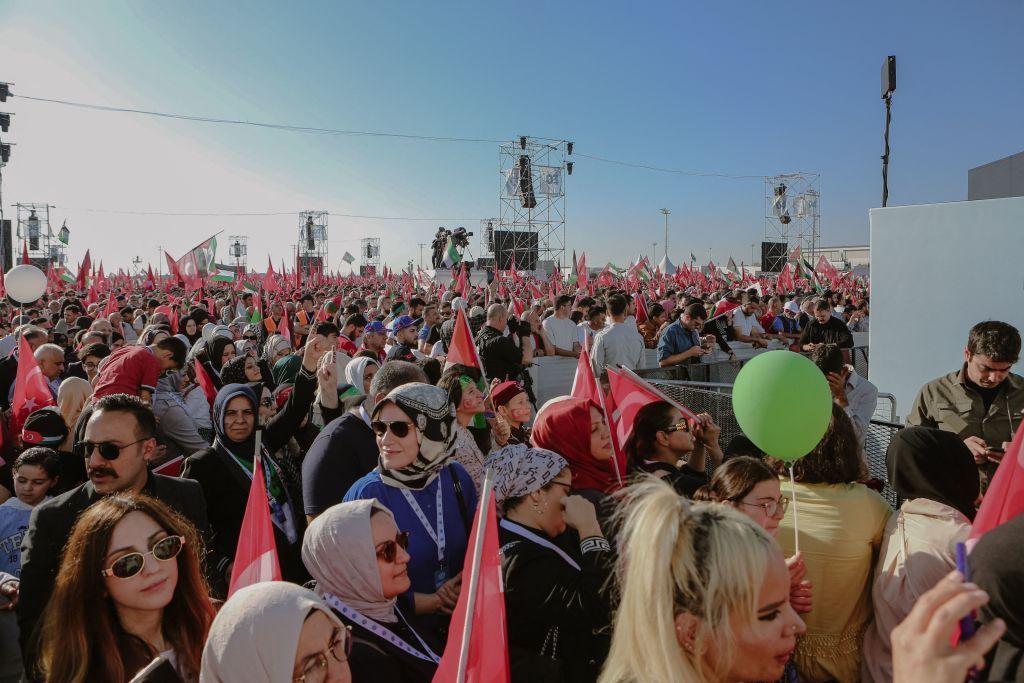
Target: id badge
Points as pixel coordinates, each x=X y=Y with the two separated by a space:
x=440 y=577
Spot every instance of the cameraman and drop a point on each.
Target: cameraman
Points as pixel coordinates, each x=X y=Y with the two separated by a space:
x=505 y=357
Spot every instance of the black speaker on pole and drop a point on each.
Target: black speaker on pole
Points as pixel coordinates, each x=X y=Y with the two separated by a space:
x=6 y=244
x=773 y=256
x=526 y=196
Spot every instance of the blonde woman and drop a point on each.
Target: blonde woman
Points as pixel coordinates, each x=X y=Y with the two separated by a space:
x=704 y=594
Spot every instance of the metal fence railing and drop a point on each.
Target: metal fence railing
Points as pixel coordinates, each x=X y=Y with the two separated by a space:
x=716 y=400
x=725 y=371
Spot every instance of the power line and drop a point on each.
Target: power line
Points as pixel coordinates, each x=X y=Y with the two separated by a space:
x=381 y=134
x=256 y=124
x=228 y=214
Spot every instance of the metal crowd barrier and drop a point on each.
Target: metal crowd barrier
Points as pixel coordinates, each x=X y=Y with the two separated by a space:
x=716 y=400
x=725 y=371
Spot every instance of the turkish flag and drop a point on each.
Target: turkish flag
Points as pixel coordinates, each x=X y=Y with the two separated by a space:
x=487 y=656
x=641 y=308
x=283 y=328
x=583 y=384
x=269 y=283
x=630 y=394
x=462 y=350
x=31 y=391
x=462 y=284
x=256 y=554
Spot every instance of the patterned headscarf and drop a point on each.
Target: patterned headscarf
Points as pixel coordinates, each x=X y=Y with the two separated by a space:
x=520 y=470
x=433 y=416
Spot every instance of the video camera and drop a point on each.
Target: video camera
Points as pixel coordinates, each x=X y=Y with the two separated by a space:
x=460 y=237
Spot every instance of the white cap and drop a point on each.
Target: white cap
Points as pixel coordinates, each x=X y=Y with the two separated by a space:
x=792 y=307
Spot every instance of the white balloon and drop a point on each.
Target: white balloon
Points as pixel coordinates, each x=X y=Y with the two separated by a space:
x=25 y=283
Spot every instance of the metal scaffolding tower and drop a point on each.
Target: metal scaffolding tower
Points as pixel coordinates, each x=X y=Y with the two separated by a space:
x=792 y=211
x=312 y=255
x=532 y=203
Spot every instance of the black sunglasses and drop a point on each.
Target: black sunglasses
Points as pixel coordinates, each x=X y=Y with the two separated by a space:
x=108 y=449
x=129 y=565
x=399 y=428
x=388 y=550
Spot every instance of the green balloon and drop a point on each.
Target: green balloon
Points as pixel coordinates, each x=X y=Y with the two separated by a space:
x=782 y=403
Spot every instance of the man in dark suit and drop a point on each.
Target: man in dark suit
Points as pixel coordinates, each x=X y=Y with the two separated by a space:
x=119 y=443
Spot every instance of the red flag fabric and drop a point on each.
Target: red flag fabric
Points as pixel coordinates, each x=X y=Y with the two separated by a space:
x=3 y=287
x=205 y=382
x=785 y=282
x=462 y=350
x=581 y=272
x=1004 y=498
x=172 y=266
x=24 y=254
x=487 y=656
x=171 y=468
x=150 y=280
x=583 y=384
x=284 y=329
x=269 y=282
x=111 y=307
x=256 y=554
x=462 y=284
x=641 y=308
x=630 y=395
x=83 y=271
x=30 y=389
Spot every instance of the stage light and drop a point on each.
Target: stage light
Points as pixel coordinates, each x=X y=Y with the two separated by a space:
x=5 y=122
x=522 y=142
x=5 y=90
x=568 y=148
x=5 y=153
x=568 y=167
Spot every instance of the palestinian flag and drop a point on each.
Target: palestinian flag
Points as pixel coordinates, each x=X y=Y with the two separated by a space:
x=451 y=255
x=222 y=273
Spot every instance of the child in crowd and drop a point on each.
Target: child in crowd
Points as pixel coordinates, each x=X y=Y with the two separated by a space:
x=35 y=473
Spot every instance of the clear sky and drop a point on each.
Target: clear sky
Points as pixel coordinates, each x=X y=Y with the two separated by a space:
x=736 y=87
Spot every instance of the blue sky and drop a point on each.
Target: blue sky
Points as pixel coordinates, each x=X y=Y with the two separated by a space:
x=736 y=87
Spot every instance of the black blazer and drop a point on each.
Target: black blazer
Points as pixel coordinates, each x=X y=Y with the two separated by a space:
x=49 y=528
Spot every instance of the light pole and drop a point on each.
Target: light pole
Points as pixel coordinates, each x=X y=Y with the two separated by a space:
x=422 y=244
x=666 y=212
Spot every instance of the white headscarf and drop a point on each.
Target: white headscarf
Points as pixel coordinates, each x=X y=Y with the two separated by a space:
x=255 y=635
x=356 y=370
x=339 y=553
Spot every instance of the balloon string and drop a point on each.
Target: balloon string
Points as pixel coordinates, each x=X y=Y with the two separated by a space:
x=796 y=524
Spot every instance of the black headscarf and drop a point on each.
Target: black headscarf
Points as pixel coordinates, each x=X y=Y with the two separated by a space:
x=997 y=566
x=215 y=350
x=933 y=464
x=233 y=371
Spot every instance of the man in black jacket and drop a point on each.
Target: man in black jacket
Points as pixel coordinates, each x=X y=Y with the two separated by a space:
x=825 y=329
x=119 y=442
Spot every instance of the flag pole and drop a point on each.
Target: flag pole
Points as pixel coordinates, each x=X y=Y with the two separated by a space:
x=474 y=571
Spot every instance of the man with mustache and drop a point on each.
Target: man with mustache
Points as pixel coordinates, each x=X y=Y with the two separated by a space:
x=118 y=445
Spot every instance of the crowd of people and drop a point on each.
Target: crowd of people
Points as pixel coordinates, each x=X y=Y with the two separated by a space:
x=124 y=497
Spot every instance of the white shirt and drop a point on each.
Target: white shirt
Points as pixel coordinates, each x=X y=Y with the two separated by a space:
x=862 y=399
x=585 y=332
x=561 y=332
x=620 y=344
x=746 y=323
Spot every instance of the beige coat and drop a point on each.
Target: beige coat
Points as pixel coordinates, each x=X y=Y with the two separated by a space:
x=917 y=551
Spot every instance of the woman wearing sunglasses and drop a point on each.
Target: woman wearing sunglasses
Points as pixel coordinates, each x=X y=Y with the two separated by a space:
x=430 y=496
x=666 y=444
x=224 y=470
x=555 y=564
x=130 y=588
x=358 y=557
x=276 y=632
